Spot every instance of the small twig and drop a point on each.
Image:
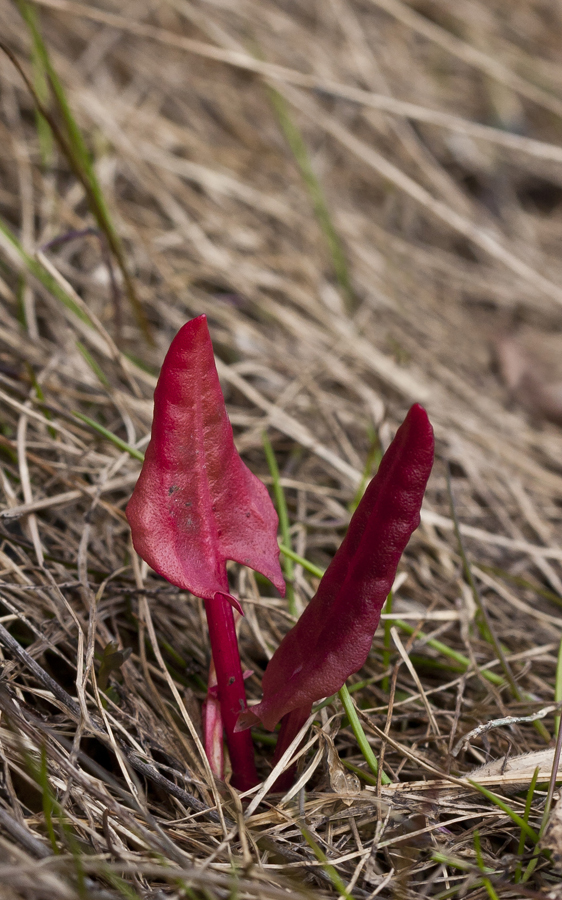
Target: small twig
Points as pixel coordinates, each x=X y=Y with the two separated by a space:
x=498 y=723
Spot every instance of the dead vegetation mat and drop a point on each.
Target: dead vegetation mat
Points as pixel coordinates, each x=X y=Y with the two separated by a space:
x=365 y=198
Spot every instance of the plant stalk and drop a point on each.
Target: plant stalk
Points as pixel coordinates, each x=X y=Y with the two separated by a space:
x=230 y=686
x=212 y=726
x=291 y=724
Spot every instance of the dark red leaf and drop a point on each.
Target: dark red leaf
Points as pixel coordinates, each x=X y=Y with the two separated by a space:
x=333 y=637
x=196 y=504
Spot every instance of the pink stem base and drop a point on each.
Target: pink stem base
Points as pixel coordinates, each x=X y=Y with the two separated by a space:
x=291 y=724
x=231 y=692
x=212 y=726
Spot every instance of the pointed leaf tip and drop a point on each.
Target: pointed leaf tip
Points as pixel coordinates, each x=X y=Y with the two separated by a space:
x=333 y=636
x=196 y=504
x=246 y=720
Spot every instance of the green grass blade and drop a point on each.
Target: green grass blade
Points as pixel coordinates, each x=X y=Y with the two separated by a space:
x=360 y=735
x=29 y=16
x=365 y=776
x=73 y=147
x=284 y=527
x=310 y=567
x=40 y=81
x=526 y=814
x=119 y=884
x=41 y=775
x=372 y=463
x=480 y=861
x=122 y=445
x=40 y=273
x=501 y=804
x=322 y=858
x=321 y=210
x=455 y=863
x=96 y=369
x=41 y=397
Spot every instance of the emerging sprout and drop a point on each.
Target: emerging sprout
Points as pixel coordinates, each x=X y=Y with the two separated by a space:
x=196 y=505
x=333 y=636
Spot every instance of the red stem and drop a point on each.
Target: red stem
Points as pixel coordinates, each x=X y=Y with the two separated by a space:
x=291 y=724
x=230 y=686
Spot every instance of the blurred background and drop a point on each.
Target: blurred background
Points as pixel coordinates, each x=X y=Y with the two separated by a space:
x=364 y=197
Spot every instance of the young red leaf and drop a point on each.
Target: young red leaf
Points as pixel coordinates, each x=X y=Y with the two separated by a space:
x=196 y=504
x=333 y=636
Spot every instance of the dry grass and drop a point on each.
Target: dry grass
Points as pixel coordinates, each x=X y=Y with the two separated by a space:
x=451 y=236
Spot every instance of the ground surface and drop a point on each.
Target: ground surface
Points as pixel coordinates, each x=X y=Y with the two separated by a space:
x=257 y=165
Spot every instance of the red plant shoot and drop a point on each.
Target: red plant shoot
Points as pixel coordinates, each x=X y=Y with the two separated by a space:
x=332 y=638
x=195 y=505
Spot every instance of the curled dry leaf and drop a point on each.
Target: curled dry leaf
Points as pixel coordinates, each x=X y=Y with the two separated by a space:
x=521 y=766
x=512 y=775
x=342 y=781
